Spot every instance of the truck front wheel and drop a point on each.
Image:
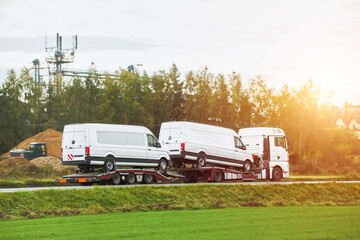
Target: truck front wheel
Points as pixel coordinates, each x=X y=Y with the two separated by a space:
x=276 y=174
x=218 y=176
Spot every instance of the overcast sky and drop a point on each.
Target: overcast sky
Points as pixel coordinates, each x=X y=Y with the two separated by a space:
x=286 y=42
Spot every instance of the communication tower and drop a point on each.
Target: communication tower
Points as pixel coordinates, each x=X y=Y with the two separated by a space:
x=58 y=56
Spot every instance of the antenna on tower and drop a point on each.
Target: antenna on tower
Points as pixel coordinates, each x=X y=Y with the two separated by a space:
x=58 y=56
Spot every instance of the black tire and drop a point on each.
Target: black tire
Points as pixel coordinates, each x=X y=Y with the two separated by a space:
x=218 y=176
x=109 y=164
x=130 y=178
x=148 y=179
x=163 y=164
x=247 y=166
x=201 y=160
x=276 y=174
x=116 y=179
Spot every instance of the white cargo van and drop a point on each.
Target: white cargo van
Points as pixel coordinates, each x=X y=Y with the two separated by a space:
x=270 y=145
x=109 y=145
x=203 y=144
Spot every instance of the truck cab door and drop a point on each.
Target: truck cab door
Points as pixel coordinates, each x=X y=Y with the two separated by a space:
x=278 y=148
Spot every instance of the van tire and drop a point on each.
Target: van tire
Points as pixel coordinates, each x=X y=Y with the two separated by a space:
x=109 y=164
x=130 y=178
x=116 y=179
x=148 y=179
x=163 y=164
x=276 y=174
x=247 y=166
x=201 y=160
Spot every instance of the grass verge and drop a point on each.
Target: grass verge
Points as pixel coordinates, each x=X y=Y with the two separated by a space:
x=45 y=203
x=232 y=223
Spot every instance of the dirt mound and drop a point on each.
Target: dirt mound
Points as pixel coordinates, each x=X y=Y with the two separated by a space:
x=15 y=162
x=52 y=137
x=42 y=162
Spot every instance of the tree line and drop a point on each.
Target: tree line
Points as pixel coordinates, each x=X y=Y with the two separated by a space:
x=137 y=98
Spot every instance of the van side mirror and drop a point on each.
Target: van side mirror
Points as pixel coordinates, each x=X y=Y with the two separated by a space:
x=158 y=145
x=243 y=147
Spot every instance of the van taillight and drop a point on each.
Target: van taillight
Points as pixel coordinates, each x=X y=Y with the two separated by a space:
x=183 y=146
x=253 y=156
x=87 y=150
x=61 y=151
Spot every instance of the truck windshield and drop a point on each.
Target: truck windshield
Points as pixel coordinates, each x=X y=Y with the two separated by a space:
x=280 y=142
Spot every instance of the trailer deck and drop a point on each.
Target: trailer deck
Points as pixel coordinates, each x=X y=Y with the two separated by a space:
x=147 y=176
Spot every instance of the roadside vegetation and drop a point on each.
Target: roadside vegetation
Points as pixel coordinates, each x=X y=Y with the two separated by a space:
x=316 y=145
x=46 y=203
x=232 y=223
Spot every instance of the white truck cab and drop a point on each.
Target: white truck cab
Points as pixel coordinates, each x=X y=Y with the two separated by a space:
x=271 y=147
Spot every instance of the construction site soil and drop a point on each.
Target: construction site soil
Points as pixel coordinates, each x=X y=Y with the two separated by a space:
x=52 y=137
x=41 y=162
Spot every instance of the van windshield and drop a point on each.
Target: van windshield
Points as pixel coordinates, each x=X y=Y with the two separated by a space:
x=238 y=143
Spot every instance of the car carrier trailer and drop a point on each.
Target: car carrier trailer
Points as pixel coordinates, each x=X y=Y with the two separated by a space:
x=148 y=176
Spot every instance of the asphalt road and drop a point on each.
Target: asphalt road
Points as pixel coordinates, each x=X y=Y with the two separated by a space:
x=4 y=190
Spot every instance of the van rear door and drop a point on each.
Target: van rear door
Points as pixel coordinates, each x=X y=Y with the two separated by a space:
x=73 y=143
x=171 y=139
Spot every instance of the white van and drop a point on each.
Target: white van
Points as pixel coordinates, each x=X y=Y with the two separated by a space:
x=109 y=145
x=270 y=145
x=203 y=144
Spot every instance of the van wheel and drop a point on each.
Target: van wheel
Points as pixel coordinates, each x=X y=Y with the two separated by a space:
x=109 y=164
x=247 y=166
x=276 y=174
x=201 y=160
x=130 y=178
x=148 y=179
x=218 y=176
x=163 y=164
x=116 y=179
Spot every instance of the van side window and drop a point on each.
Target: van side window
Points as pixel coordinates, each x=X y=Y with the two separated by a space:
x=114 y=138
x=136 y=139
x=152 y=142
x=238 y=143
x=280 y=142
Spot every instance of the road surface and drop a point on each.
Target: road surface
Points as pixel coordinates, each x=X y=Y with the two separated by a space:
x=4 y=190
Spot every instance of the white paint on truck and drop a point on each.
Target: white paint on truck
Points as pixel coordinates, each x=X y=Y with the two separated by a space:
x=269 y=144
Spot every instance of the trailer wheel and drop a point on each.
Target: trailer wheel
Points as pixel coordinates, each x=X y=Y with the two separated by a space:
x=109 y=164
x=218 y=176
x=116 y=179
x=130 y=178
x=247 y=166
x=163 y=164
x=201 y=160
x=276 y=174
x=148 y=179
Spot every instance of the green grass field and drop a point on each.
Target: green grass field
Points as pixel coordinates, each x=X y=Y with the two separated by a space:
x=337 y=222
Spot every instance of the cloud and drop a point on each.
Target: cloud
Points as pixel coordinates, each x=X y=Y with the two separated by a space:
x=87 y=43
